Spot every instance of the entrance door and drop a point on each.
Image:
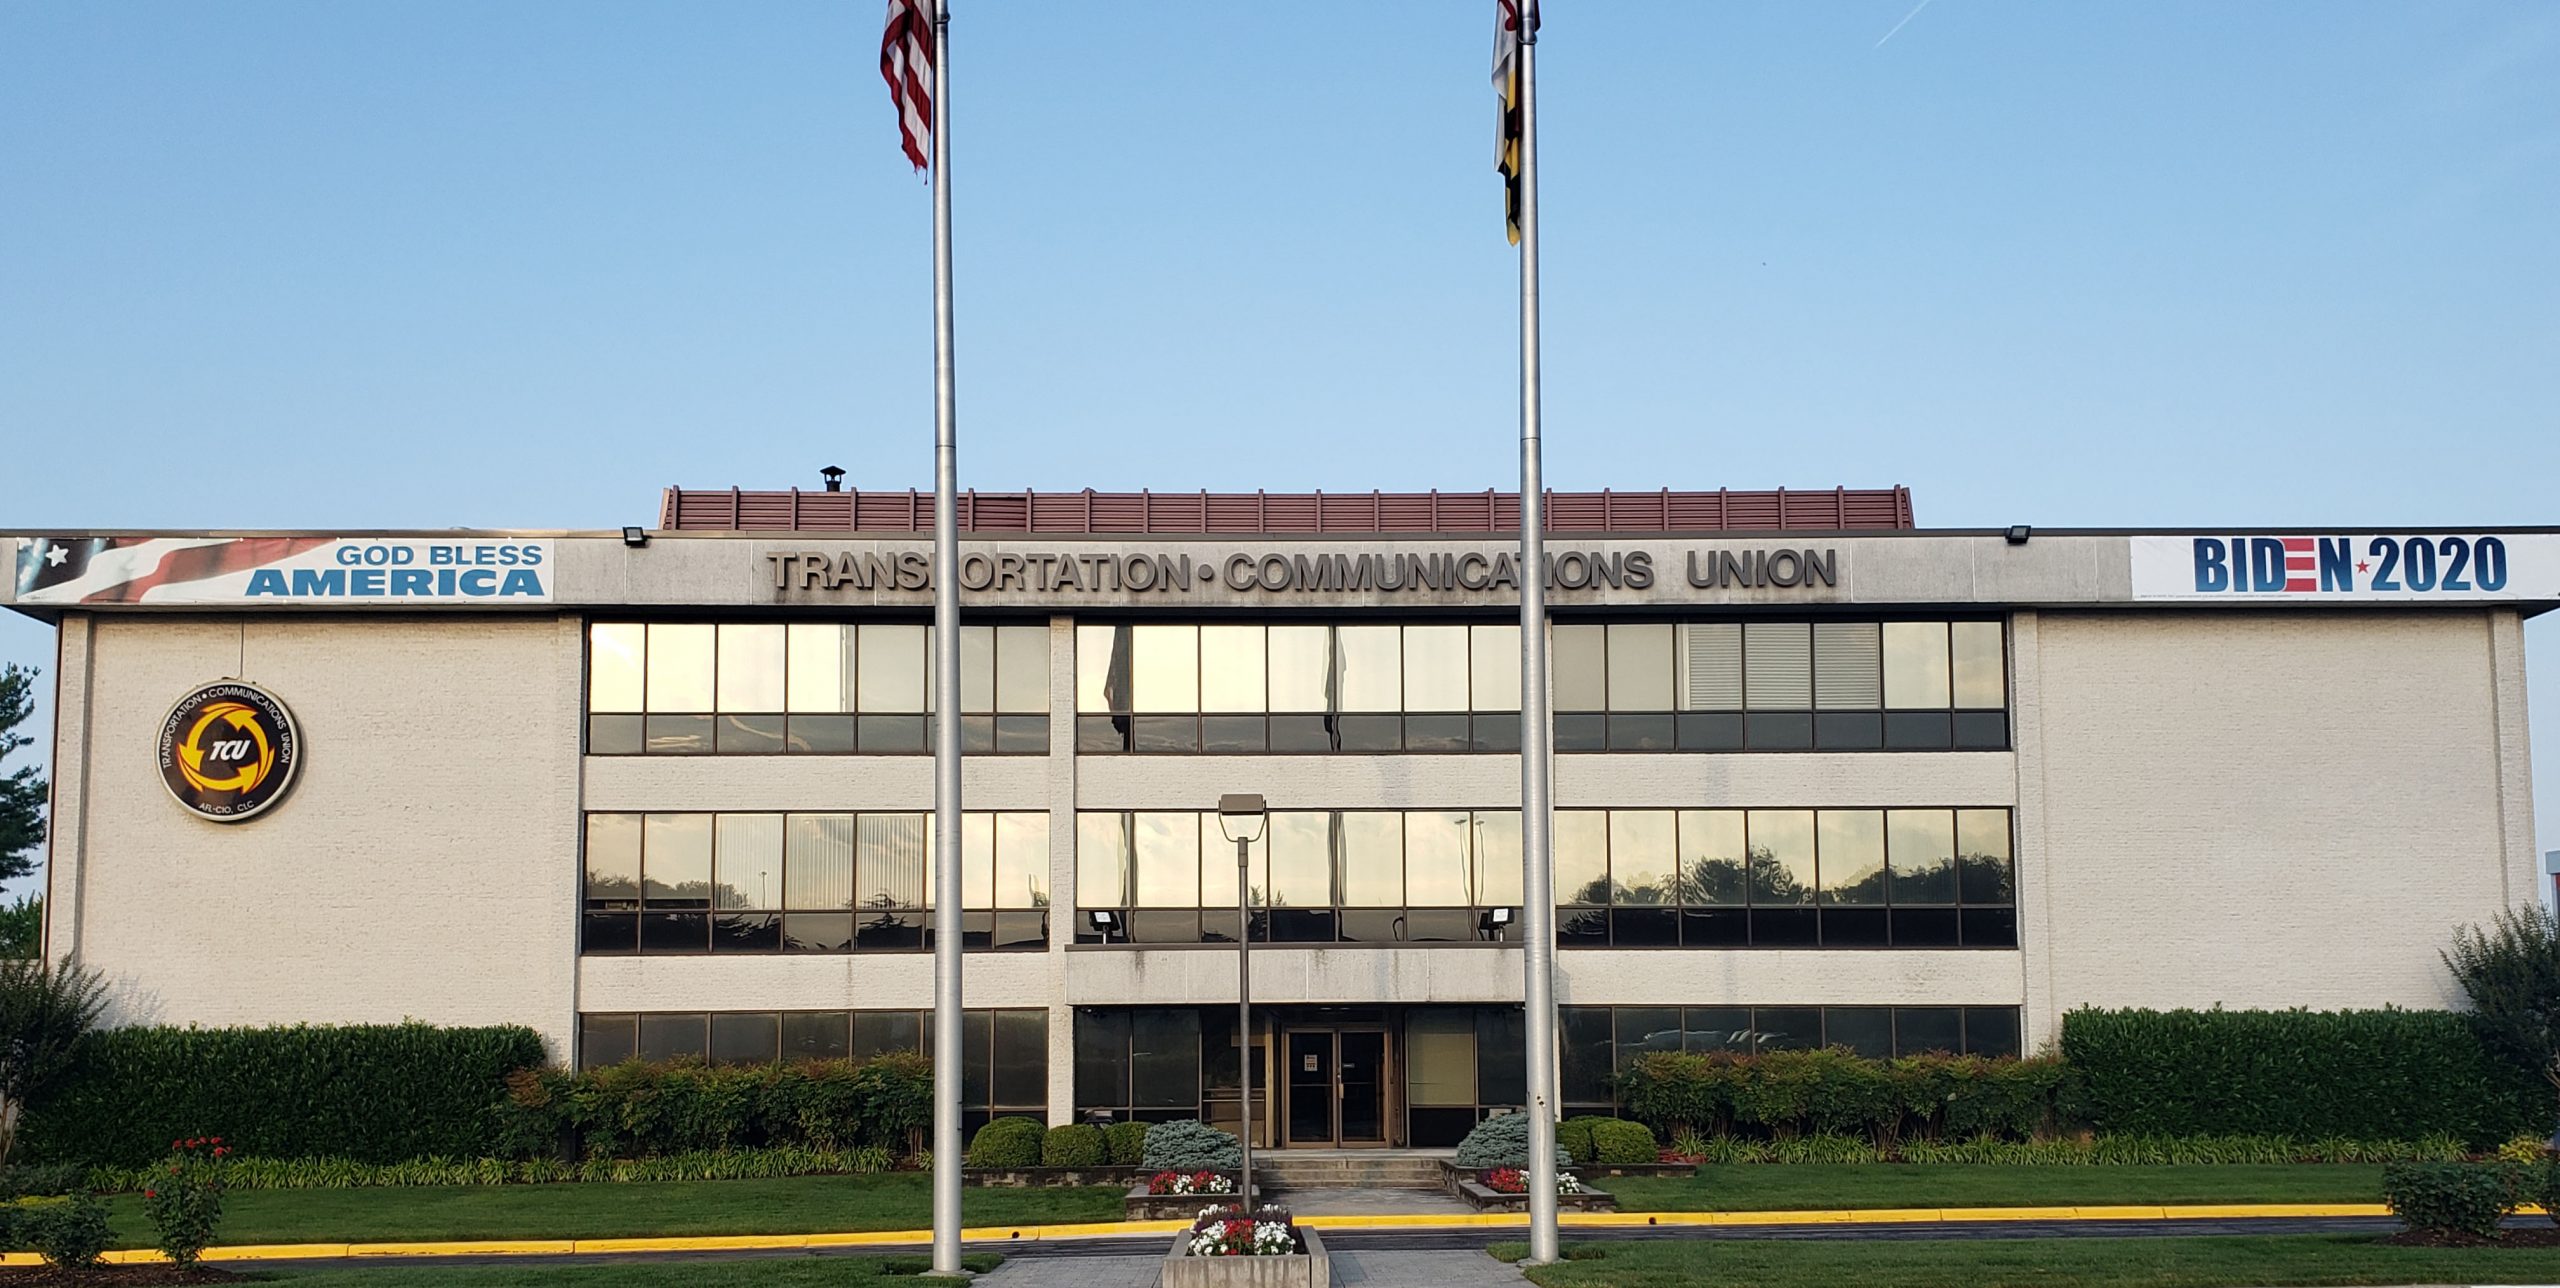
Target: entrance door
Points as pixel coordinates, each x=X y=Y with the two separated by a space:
x=1337 y=1081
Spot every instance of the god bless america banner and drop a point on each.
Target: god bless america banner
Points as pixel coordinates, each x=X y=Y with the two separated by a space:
x=348 y=571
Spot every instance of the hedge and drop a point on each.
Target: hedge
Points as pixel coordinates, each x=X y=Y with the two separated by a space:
x=375 y=1093
x=1126 y=1143
x=1074 y=1145
x=641 y=1110
x=1785 y=1094
x=2368 y=1075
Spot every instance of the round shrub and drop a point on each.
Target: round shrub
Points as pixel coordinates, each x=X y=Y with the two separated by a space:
x=1619 y=1143
x=1126 y=1143
x=69 y=1232
x=1502 y=1141
x=1008 y=1142
x=1075 y=1145
x=2469 y=1198
x=1188 y=1145
x=1573 y=1136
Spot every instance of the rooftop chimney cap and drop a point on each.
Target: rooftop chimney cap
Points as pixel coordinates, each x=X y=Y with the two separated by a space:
x=834 y=475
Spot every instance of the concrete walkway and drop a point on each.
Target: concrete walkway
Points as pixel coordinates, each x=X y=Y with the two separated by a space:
x=1350 y=1270
x=1378 y=1202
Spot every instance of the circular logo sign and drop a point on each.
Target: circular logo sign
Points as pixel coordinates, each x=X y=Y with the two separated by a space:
x=228 y=751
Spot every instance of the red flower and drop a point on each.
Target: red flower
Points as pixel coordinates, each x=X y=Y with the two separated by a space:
x=214 y=1139
x=177 y=1144
x=219 y=1151
x=151 y=1194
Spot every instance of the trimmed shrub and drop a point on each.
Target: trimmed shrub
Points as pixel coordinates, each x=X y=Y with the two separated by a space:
x=68 y=1232
x=1190 y=1145
x=1573 y=1136
x=1616 y=1142
x=39 y=1181
x=2465 y=1198
x=380 y=1093
x=1127 y=1143
x=1008 y=1142
x=2368 y=1075
x=1502 y=1141
x=347 y=1174
x=637 y=1110
x=1075 y=1145
x=1786 y=1094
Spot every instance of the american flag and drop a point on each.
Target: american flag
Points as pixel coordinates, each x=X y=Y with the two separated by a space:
x=1508 y=19
x=125 y=570
x=906 y=62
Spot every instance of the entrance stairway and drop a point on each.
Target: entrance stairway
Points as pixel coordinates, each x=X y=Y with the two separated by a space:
x=1292 y=1171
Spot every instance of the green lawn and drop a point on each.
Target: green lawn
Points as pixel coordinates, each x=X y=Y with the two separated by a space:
x=763 y=1272
x=2224 y=1261
x=794 y=1205
x=1747 y=1187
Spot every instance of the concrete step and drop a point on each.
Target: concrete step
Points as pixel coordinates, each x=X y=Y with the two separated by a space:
x=1385 y=1172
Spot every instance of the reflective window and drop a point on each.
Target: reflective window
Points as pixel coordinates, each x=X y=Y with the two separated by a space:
x=890 y=676
x=1436 y=868
x=750 y=668
x=614 y=658
x=1436 y=668
x=1915 y=665
x=1922 y=846
x=1713 y=857
x=680 y=667
x=1231 y=671
x=1368 y=668
x=1494 y=668
x=1301 y=666
x=765 y=883
x=1498 y=863
x=1372 y=858
x=1165 y=668
x=1852 y=855
x=1581 y=839
x=1578 y=667
x=808 y=687
x=1781 y=856
x=1168 y=859
x=1642 y=854
x=1981 y=665
x=1301 y=847
x=1640 y=671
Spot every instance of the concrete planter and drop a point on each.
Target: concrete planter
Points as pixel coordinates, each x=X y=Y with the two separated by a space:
x=1462 y=1184
x=1034 y=1177
x=1306 y=1270
x=1142 y=1206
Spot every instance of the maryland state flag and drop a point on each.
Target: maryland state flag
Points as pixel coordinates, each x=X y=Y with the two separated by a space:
x=1511 y=20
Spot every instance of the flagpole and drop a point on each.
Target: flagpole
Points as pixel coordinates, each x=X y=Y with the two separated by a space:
x=1537 y=806
x=947 y=1047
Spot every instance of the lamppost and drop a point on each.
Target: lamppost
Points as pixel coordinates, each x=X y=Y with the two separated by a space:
x=1241 y=816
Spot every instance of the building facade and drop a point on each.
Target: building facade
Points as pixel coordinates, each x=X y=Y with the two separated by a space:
x=1822 y=778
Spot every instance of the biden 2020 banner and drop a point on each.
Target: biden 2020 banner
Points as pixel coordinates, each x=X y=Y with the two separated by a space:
x=2433 y=567
x=343 y=571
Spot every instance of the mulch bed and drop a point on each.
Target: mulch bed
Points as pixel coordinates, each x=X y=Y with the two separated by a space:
x=142 y=1276
x=2523 y=1236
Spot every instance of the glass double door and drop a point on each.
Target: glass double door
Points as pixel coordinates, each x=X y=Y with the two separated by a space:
x=1337 y=1085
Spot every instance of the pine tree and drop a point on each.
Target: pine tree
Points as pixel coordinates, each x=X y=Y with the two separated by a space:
x=22 y=792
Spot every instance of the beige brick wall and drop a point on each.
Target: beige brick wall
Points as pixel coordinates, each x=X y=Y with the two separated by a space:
x=424 y=865
x=2266 y=809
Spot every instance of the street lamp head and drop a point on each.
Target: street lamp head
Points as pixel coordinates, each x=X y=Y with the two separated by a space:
x=1241 y=816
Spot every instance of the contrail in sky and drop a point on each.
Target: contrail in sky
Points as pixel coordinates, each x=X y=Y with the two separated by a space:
x=1906 y=21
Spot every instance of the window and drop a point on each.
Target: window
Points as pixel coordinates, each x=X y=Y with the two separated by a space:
x=1634 y=878
x=802 y=883
x=1779 y=878
x=1618 y=686
x=746 y=688
x=1600 y=1041
x=1005 y=1052
x=1319 y=876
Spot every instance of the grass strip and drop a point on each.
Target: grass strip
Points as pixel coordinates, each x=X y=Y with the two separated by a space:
x=639 y=1209
x=2220 y=1261
x=1766 y=1187
x=761 y=1272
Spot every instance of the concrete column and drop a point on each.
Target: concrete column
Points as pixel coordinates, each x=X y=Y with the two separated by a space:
x=1062 y=866
x=2041 y=1020
x=2520 y=880
x=66 y=847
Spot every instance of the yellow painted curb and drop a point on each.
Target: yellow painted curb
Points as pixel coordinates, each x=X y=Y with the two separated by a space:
x=1000 y=1234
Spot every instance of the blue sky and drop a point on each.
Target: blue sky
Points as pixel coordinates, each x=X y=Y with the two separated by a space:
x=411 y=264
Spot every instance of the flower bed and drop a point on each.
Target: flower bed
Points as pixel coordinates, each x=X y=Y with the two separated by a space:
x=1177 y=1196
x=1506 y=1189
x=1229 y=1247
